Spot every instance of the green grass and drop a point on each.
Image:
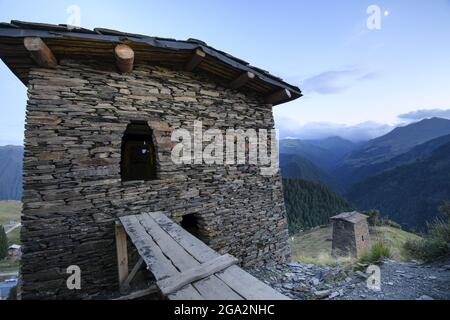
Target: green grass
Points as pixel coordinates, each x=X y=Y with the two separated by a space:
x=395 y=239
x=7 y=265
x=10 y=210
x=314 y=246
x=434 y=245
x=377 y=252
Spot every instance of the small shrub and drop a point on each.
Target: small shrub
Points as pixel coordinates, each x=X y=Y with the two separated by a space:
x=440 y=230
x=392 y=224
x=374 y=217
x=376 y=253
x=427 y=249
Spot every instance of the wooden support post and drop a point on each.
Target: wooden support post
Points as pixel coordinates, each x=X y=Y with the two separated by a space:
x=124 y=58
x=39 y=52
x=122 y=254
x=242 y=80
x=125 y=287
x=195 y=60
x=278 y=96
x=139 y=294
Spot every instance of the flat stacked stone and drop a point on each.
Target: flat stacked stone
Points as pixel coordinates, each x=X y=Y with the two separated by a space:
x=73 y=193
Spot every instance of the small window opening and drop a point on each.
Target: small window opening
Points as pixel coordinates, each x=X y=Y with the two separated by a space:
x=189 y=222
x=362 y=237
x=138 y=153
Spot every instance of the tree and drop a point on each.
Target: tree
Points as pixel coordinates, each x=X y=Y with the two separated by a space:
x=3 y=243
x=374 y=217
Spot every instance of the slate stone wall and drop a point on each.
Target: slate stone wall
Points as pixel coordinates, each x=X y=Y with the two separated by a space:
x=73 y=193
x=350 y=239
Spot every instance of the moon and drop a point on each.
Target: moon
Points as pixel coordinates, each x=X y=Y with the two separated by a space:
x=386 y=13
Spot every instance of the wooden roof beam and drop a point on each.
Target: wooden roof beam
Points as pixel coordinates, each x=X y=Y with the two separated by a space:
x=242 y=80
x=195 y=60
x=278 y=96
x=39 y=52
x=124 y=58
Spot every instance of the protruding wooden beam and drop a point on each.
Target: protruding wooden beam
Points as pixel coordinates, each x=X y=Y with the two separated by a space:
x=124 y=58
x=195 y=60
x=242 y=80
x=278 y=96
x=122 y=253
x=39 y=52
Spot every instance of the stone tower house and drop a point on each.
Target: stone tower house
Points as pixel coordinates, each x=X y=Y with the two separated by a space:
x=101 y=108
x=350 y=234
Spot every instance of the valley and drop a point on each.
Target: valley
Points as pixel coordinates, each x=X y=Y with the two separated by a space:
x=405 y=173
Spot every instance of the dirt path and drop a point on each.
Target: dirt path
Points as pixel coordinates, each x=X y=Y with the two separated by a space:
x=399 y=281
x=408 y=281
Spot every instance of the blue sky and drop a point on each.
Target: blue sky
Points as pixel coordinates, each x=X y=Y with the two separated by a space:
x=349 y=74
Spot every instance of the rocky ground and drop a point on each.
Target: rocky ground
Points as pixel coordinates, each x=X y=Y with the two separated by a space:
x=399 y=281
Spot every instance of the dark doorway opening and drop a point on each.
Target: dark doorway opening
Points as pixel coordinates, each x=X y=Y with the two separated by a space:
x=189 y=222
x=138 y=153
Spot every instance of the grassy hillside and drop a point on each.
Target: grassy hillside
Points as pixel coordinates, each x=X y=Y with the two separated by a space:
x=314 y=246
x=10 y=211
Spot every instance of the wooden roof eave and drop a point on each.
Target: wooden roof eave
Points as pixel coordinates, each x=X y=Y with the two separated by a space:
x=164 y=44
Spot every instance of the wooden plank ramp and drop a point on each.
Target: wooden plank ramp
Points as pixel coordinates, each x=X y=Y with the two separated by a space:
x=185 y=268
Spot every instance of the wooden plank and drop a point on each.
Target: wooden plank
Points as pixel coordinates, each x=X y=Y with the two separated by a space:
x=39 y=52
x=177 y=255
x=154 y=258
x=203 y=253
x=139 y=294
x=216 y=289
x=124 y=58
x=125 y=287
x=186 y=294
x=278 y=96
x=248 y=286
x=172 y=284
x=182 y=259
x=242 y=80
x=196 y=248
x=195 y=60
x=157 y=262
x=122 y=253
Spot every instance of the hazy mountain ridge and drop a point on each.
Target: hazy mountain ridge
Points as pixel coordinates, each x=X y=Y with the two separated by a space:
x=398 y=141
x=390 y=150
x=11 y=172
x=324 y=153
x=409 y=194
x=398 y=173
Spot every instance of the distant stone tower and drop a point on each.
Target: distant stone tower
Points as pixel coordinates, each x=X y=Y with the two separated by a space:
x=350 y=234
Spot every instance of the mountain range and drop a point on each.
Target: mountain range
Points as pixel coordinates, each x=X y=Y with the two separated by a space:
x=404 y=173
x=363 y=171
x=11 y=172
